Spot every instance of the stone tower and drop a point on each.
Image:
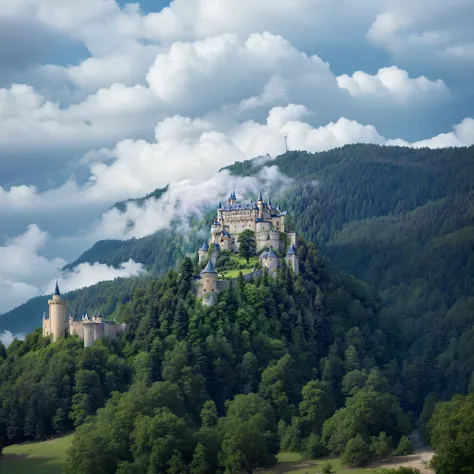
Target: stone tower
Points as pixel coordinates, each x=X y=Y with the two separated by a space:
x=270 y=261
x=292 y=259
x=209 y=284
x=57 y=315
x=202 y=252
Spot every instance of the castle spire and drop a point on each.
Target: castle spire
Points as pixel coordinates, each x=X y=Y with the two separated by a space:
x=260 y=197
x=56 y=289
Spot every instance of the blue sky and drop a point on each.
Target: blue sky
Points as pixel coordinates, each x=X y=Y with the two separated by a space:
x=101 y=102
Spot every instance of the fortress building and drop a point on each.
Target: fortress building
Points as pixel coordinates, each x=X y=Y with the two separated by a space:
x=272 y=239
x=56 y=324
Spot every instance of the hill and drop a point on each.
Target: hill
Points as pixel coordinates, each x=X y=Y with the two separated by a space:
x=399 y=218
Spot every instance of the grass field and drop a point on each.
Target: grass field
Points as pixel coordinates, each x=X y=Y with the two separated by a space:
x=295 y=463
x=244 y=266
x=46 y=457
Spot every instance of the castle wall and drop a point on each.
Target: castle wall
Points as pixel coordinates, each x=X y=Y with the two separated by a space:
x=46 y=327
x=76 y=328
x=275 y=239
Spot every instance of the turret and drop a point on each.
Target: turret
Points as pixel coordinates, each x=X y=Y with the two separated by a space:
x=260 y=205
x=292 y=259
x=202 y=252
x=57 y=314
x=216 y=229
x=270 y=261
x=209 y=279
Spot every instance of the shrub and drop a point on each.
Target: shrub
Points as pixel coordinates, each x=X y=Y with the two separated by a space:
x=404 y=447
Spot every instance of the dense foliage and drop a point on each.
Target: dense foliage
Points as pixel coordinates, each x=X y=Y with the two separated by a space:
x=452 y=428
x=401 y=219
x=49 y=388
x=205 y=381
x=316 y=363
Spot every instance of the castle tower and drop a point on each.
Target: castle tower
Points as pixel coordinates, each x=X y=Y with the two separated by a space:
x=202 y=252
x=89 y=332
x=57 y=315
x=216 y=229
x=292 y=259
x=260 y=205
x=270 y=261
x=209 y=280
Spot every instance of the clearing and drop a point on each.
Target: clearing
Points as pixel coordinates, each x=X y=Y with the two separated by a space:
x=294 y=463
x=46 y=457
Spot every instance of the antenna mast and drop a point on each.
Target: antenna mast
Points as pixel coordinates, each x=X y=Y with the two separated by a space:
x=286 y=143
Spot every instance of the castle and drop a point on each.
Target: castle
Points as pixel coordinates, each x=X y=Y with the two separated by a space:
x=272 y=237
x=56 y=324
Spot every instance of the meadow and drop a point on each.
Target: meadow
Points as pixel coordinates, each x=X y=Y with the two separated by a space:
x=46 y=457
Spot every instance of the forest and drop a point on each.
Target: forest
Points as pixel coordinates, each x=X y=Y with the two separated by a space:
x=298 y=363
x=378 y=355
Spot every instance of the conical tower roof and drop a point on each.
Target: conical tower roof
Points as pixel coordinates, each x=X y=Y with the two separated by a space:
x=291 y=250
x=209 y=267
x=56 y=289
x=205 y=246
x=271 y=253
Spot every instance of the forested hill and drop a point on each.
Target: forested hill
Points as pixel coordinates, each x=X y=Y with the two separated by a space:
x=186 y=377
x=403 y=220
x=399 y=218
x=298 y=363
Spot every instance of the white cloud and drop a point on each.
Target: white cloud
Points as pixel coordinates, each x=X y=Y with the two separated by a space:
x=393 y=83
x=86 y=274
x=407 y=31
x=25 y=273
x=182 y=199
x=462 y=135
x=6 y=337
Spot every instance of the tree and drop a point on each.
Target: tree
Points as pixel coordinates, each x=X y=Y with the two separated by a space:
x=247 y=244
x=405 y=446
x=381 y=445
x=356 y=453
x=199 y=464
x=452 y=426
x=176 y=463
x=209 y=414
x=249 y=439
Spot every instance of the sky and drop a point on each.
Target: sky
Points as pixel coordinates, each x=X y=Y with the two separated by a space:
x=102 y=101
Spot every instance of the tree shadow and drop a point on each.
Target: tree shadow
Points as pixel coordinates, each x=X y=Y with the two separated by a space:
x=25 y=464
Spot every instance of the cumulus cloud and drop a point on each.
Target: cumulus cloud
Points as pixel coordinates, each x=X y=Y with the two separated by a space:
x=404 y=28
x=462 y=135
x=394 y=83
